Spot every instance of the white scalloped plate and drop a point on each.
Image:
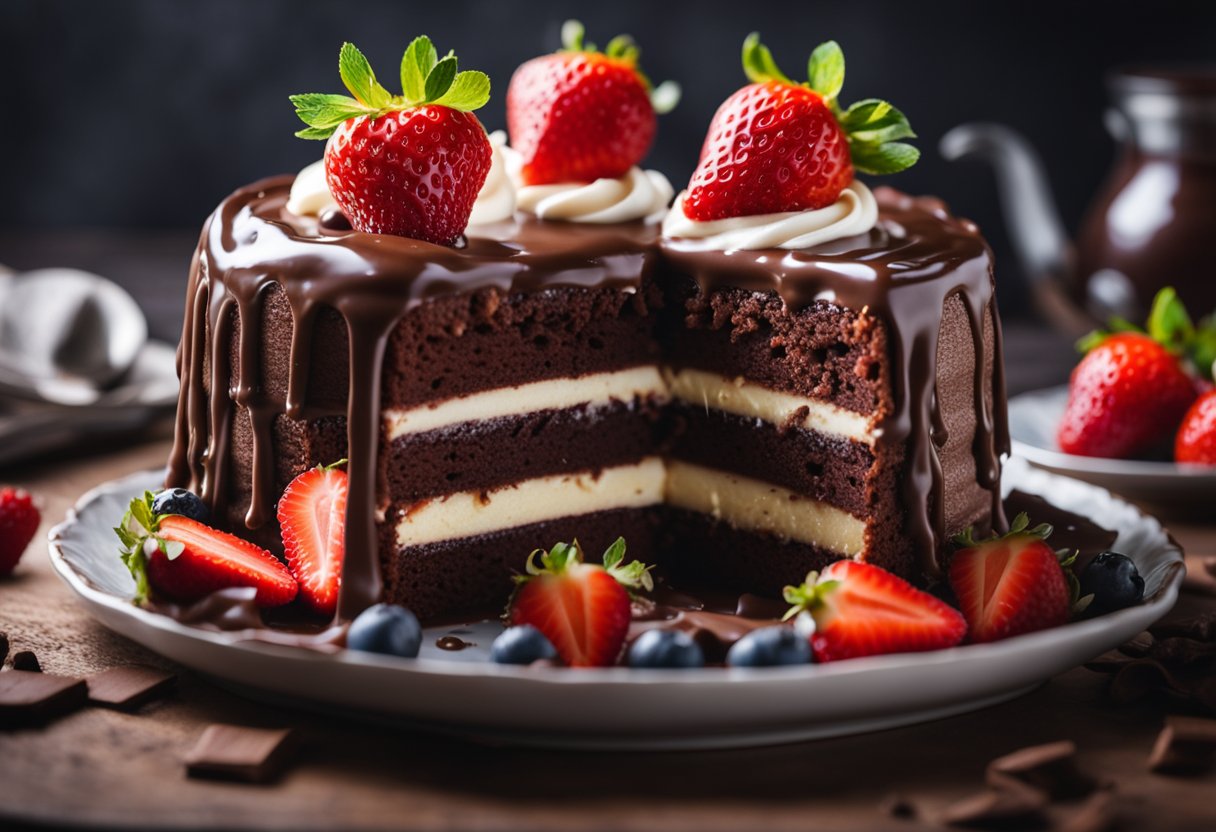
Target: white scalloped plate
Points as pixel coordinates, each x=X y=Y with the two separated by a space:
x=633 y=709
x=1033 y=420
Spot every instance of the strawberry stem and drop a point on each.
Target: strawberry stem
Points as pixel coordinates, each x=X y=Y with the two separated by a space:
x=873 y=127
x=425 y=79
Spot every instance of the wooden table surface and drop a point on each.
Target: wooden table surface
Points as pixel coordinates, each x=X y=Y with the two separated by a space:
x=104 y=768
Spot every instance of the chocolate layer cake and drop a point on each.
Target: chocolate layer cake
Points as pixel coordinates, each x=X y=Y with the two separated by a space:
x=739 y=417
x=845 y=400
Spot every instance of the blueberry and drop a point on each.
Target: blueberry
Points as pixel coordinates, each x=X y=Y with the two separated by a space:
x=768 y=647
x=665 y=648
x=387 y=629
x=522 y=645
x=1114 y=582
x=180 y=501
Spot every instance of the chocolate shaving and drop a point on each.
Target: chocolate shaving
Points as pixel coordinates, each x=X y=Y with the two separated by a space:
x=1186 y=745
x=27 y=661
x=1013 y=802
x=1050 y=768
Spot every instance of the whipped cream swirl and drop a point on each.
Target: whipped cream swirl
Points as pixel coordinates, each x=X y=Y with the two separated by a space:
x=854 y=212
x=310 y=196
x=496 y=199
x=638 y=195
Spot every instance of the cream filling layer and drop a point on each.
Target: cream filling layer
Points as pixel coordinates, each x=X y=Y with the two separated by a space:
x=554 y=394
x=467 y=514
x=740 y=397
x=756 y=506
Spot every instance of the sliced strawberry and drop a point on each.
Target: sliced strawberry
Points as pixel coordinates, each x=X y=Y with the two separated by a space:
x=1010 y=585
x=312 y=516
x=582 y=608
x=862 y=610
x=185 y=560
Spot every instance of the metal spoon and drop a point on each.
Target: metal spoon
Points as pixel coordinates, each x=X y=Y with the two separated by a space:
x=66 y=334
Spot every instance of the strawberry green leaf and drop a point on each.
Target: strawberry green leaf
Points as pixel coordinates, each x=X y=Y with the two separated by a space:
x=1203 y=347
x=440 y=79
x=881 y=159
x=874 y=121
x=321 y=110
x=807 y=596
x=623 y=48
x=315 y=133
x=358 y=77
x=138 y=526
x=573 y=32
x=1168 y=322
x=758 y=63
x=1019 y=527
x=614 y=554
x=825 y=70
x=416 y=64
x=469 y=91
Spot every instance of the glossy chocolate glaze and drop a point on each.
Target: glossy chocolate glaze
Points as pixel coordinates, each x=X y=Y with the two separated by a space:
x=903 y=270
x=371 y=280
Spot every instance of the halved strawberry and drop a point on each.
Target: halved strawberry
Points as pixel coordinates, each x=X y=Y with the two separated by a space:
x=1013 y=584
x=582 y=608
x=863 y=610
x=185 y=560
x=312 y=516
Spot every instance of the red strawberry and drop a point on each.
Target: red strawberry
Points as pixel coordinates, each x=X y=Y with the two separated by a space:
x=578 y=115
x=1196 y=439
x=777 y=145
x=19 y=519
x=312 y=515
x=410 y=164
x=186 y=560
x=582 y=608
x=862 y=610
x=1127 y=395
x=1010 y=585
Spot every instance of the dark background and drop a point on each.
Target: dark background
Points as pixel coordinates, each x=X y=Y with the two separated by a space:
x=143 y=114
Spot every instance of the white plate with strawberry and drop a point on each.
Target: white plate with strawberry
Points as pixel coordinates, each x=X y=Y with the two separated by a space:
x=1139 y=413
x=624 y=707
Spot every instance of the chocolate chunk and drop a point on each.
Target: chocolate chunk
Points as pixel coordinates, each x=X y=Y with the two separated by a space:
x=1051 y=768
x=234 y=752
x=3 y=647
x=1000 y=807
x=26 y=660
x=29 y=698
x=898 y=806
x=1186 y=745
x=127 y=688
x=1097 y=814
